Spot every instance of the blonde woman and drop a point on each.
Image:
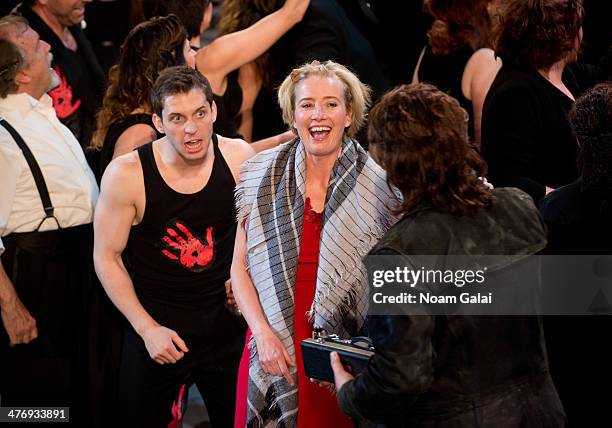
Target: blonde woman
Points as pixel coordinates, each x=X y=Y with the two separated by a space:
x=309 y=210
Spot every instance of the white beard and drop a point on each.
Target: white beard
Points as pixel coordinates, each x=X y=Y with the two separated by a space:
x=55 y=81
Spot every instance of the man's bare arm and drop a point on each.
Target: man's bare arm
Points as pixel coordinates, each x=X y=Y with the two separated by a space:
x=115 y=213
x=17 y=320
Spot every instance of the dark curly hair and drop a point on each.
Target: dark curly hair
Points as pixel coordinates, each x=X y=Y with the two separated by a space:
x=538 y=33
x=237 y=15
x=149 y=48
x=419 y=135
x=458 y=24
x=591 y=121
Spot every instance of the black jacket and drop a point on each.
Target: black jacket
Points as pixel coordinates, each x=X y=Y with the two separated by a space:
x=579 y=221
x=459 y=371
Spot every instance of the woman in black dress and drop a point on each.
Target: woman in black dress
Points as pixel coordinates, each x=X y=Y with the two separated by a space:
x=526 y=138
x=458 y=58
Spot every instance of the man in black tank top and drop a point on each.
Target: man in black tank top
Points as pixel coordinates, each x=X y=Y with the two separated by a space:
x=170 y=205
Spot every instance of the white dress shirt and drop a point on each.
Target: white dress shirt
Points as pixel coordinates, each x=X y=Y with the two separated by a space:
x=71 y=183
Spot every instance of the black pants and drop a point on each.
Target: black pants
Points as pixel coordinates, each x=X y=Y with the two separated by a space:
x=51 y=273
x=148 y=391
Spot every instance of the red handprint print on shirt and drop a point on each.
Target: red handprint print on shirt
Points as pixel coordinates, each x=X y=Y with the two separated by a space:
x=64 y=101
x=186 y=248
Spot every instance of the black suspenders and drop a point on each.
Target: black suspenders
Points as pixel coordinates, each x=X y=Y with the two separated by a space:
x=41 y=185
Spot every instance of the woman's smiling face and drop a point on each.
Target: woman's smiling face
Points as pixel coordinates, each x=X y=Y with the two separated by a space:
x=321 y=115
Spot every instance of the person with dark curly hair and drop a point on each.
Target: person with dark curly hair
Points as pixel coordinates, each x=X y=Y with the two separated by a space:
x=449 y=370
x=578 y=213
x=458 y=58
x=125 y=122
x=526 y=138
x=579 y=217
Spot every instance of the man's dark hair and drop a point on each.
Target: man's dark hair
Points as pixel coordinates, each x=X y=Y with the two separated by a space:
x=591 y=121
x=178 y=80
x=11 y=57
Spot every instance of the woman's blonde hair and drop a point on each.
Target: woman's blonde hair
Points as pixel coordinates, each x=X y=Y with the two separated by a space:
x=356 y=94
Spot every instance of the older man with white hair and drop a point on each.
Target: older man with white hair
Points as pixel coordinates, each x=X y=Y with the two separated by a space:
x=47 y=198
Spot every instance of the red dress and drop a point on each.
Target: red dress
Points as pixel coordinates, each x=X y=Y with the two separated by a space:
x=317 y=406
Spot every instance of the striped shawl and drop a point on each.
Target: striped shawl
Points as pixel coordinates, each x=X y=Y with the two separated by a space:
x=271 y=197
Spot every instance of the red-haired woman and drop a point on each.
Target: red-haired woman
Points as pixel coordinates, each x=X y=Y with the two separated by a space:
x=526 y=137
x=458 y=58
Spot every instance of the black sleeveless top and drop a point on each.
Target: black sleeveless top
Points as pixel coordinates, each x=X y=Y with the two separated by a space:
x=114 y=132
x=182 y=249
x=446 y=72
x=228 y=108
